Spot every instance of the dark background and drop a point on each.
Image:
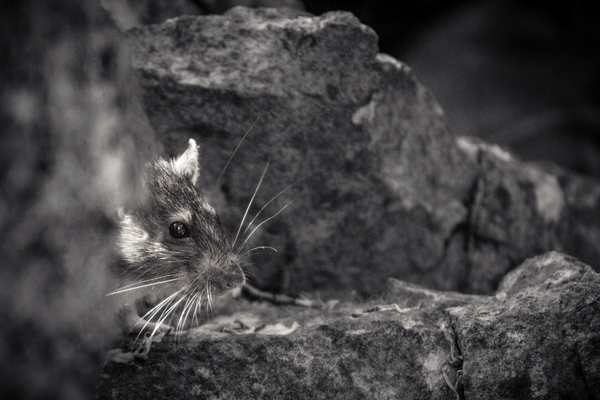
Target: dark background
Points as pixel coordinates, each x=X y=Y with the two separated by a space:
x=523 y=74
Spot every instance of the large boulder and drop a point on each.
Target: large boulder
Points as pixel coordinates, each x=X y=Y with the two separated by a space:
x=379 y=187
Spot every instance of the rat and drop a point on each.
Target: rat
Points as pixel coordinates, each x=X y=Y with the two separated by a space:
x=172 y=249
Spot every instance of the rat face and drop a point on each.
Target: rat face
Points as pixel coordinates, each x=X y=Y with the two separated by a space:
x=176 y=237
x=193 y=242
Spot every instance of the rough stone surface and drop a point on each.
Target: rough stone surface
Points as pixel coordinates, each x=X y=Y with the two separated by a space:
x=380 y=189
x=536 y=340
x=549 y=270
x=129 y=13
x=541 y=340
x=349 y=358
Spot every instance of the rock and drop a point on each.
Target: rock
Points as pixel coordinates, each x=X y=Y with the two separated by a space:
x=129 y=13
x=71 y=140
x=539 y=342
x=348 y=358
x=550 y=270
x=379 y=187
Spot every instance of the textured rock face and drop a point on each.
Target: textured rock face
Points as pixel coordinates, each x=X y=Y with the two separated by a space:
x=539 y=338
x=380 y=188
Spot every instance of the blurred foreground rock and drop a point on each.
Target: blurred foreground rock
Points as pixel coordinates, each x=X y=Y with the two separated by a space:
x=537 y=338
x=380 y=188
x=72 y=140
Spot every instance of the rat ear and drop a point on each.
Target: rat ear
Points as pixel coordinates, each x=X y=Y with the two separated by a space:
x=188 y=163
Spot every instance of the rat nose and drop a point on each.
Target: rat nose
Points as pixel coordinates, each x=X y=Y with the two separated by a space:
x=224 y=280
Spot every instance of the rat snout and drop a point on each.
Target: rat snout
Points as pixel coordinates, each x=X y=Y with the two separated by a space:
x=223 y=280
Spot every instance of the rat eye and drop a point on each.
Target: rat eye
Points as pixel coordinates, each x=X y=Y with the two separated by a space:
x=178 y=230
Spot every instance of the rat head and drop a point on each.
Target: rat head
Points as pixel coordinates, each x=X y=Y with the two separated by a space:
x=176 y=236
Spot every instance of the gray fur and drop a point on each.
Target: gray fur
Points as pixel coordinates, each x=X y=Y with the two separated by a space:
x=204 y=264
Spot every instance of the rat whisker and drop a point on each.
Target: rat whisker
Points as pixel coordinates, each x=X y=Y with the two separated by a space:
x=204 y=299
x=144 y=281
x=151 y=313
x=195 y=313
x=154 y=310
x=172 y=307
x=126 y=289
x=148 y=280
x=178 y=327
x=236 y=149
x=240 y=249
x=262 y=253
x=165 y=314
x=191 y=308
x=209 y=298
x=269 y=202
x=249 y=273
x=265 y=221
x=197 y=299
x=245 y=253
x=186 y=311
x=250 y=203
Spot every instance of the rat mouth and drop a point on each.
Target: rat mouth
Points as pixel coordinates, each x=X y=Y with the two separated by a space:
x=220 y=281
